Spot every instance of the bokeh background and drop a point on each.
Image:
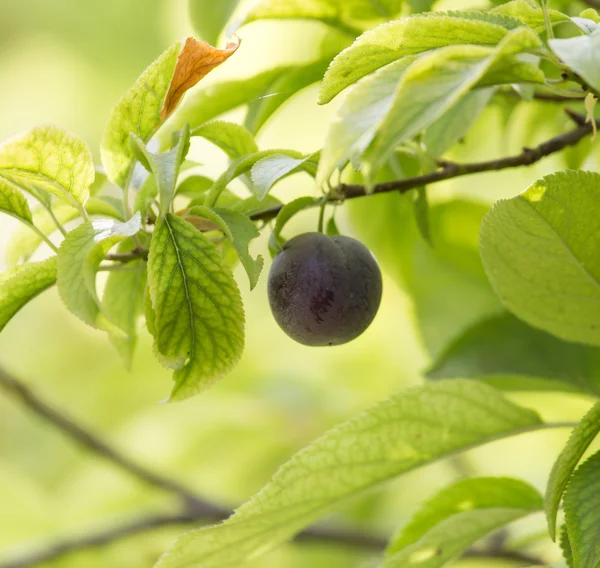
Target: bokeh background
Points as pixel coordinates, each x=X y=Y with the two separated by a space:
x=67 y=62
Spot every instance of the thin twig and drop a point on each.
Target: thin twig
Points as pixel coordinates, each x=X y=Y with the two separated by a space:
x=451 y=170
x=593 y=3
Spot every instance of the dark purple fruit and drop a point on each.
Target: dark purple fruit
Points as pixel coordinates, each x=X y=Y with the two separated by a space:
x=324 y=290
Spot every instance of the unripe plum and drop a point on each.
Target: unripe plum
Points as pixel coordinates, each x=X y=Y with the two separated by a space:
x=324 y=290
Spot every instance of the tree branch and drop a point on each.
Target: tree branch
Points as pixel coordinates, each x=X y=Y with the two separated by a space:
x=194 y=509
x=451 y=170
x=593 y=3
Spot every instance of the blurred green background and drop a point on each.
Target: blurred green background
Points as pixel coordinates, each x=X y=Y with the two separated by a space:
x=67 y=62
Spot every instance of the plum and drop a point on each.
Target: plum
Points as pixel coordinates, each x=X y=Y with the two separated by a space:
x=324 y=290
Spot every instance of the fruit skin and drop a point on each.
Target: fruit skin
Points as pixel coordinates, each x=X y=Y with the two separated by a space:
x=324 y=290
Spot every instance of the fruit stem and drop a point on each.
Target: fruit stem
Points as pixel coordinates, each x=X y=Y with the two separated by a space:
x=323 y=204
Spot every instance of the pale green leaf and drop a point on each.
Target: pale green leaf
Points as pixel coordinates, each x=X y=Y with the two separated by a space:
x=234 y=139
x=198 y=313
x=252 y=205
x=565 y=546
x=13 y=202
x=24 y=242
x=49 y=159
x=209 y=18
x=165 y=166
x=407 y=36
x=194 y=185
x=421 y=209
x=456 y=122
x=532 y=16
x=79 y=257
x=408 y=430
x=581 y=54
x=146 y=194
x=20 y=285
x=123 y=303
x=268 y=171
x=504 y=346
x=453 y=536
x=582 y=513
x=153 y=98
x=240 y=230
x=105 y=206
x=332 y=229
x=581 y=437
x=540 y=254
x=432 y=85
x=479 y=493
x=591 y=14
x=285 y=214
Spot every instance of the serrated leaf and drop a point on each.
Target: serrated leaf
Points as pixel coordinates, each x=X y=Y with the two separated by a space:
x=532 y=16
x=565 y=546
x=79 y=257
x=407 y=36
x=408 y=430
x=265 y=92
x=20 y=285
x=591 y=14
x=268 y=171
x=13 y=202
x=198 y=313
x=24 y=242
x=581 y=54
x=165 y=166
x=153 y=98
x=209 y=18
x=504 y=346
x=51 y=160
x=240 y=230
x=432 y=85
x=456 y=122
x=582 y=513
x=358 y=117
x=123 y=303
x=234 y=139
x=546 y=272
x=581 y=437
x=467 y=495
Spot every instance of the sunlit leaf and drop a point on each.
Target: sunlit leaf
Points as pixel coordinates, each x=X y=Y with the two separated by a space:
x=20 y=285
x=546 y=272
x=153 y=98
x=79 y=257
x=198 y=315
x=581 y=437
x=581 y=54
x=49 y=159
x=234 y=139
x=210 y=18
x=530 y=15
x=240 y=230
x=406 y=431
x=565 y=546
x=582 y=513
x=268 y=171
x=285 y=214
x=13 y=202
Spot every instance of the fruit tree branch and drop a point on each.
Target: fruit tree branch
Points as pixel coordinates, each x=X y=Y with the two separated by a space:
x=193 y=509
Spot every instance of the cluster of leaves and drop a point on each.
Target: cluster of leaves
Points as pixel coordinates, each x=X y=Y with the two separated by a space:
x=416 y=85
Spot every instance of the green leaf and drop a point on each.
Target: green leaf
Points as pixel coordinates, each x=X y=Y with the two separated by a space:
x=24 y=242
x=265 y=92
x=582 y=513
x=467 y=495
x=146 y=194
x=50 y=160
x=13 y=202
x=79 y=257
x=546 y=272
x=234 y=139
x=453 y=125
x=565 y=546
x=407 y=36
x=503 y=346
x=286 y=213
x=591 y=14
x=332 y=229
x=252 y=205
x=421 y=208
x=268 y=171
x=432 y=85
x=581 y=437
x=358 y=117
x=532 y=16
x=410 y=429
x=459 y=516
x=240 y=230
x=20 y=285
x=105 y=206
x=209 y=18
x=123 y=303
x=198 y=313
x=195 y=185
x=581 y=54
x=153 y=98
x=165 y=166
